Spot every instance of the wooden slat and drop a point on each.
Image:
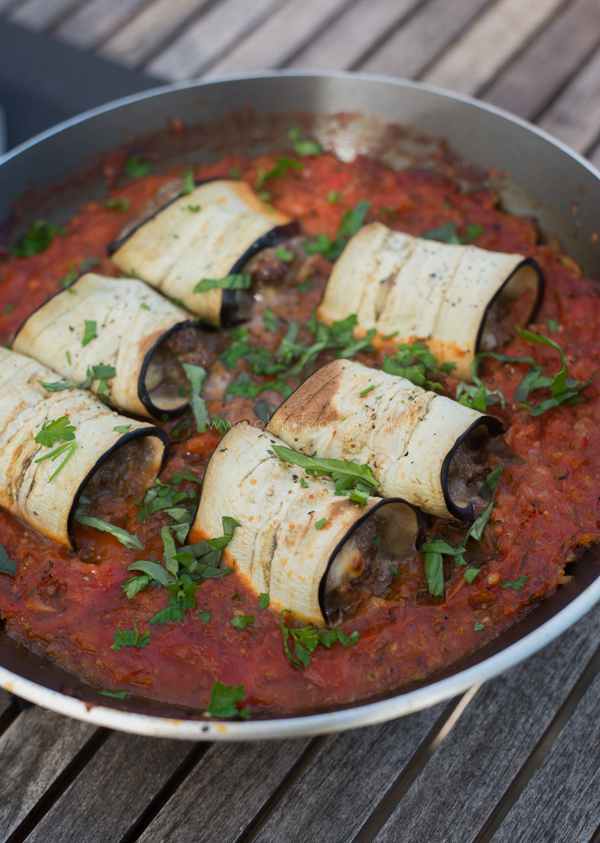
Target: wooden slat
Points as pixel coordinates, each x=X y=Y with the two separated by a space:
x=224 y=792
x=349 y=777
x=594 y=156
x=149 y=31
x=475 y=766
x=281 y=36
x=490 y=43
x=575 y=116
x=409 y=51
x=34 y=750
x=96 y=21
x=354 y=34
x=206 y=40
x=112 y=791
x=528 y=85
x=42 y=14
x=562 y=800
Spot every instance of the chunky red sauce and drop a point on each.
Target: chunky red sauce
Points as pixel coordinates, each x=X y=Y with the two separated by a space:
x=547 y=502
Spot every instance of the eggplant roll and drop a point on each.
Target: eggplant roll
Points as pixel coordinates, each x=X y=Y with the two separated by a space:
x=104 y=460
x=453 y=298
x=138 y=332
x=210 y=233
x=300 y=544
x=422 y=447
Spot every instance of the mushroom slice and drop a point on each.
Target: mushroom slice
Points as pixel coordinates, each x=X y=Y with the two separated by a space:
x=422 y=447
x=293 y=542
x=31 y=487
x=453 y=298
x=139 y=341
x=209 y=234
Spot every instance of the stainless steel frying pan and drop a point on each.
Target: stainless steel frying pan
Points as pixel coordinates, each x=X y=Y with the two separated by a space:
x=349 y=113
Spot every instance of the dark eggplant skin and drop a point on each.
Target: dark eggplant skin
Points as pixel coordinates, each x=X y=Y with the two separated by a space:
x=384 y=501
x=536 y=304
x=466 y=513
x=157 y=432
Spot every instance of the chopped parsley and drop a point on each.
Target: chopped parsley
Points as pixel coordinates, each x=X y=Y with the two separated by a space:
x=284 y=255
x=204 y=616
x=490 y=484
x=304 y=286
x=136 y=168
x=122 y=428
x=282 y=165
x=119 y=204
x=334 y=196
x=320 y=524
x=367 y=390
x=223 y=699
x=270 y=321
x=189 y=185
x=263 y=411
x=242 y=621
x=478 y=627
x=36 y=240
x=130 y=638
x=194 y=209
x=414 y=362
x=356 y=480
x=471 y=573
x=304 y=148
x=395 y=572
x=230 y=282
x=196 y=375
x=263 y=601
x=90 y=332
x=8 y=308
x=7 y=566
x=120 y=695
x=517 y=585
x=127 y=539
x=55 y=430
x=448 y=233
x=71 y=276
x=552 y=325
x=351 y=222
x=305 y=640
x=56 y=386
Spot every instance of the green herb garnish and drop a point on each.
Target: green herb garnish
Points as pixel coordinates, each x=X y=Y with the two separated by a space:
x=517 y=585
x=320 y=524
x=56 y=386
x=55 y=430
x=119 y=204
x=130 y=638
x=357 y=480
x=7 y=566
x=189 y=185
x=223 y=699
x=196 y=375
x=90 y=332
x=478 y=627
x=367 y=390
x=36 y=240
x=351 y=222
x=230 y=282
x=305 y=640
x=242 y=621
x=122 y=428
x=204 y=616
x=120 y=695
x=135 y=167
x=304 y=148
x=263 y=601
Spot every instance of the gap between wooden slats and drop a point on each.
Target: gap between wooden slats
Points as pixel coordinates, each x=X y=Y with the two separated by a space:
x=561 y=800
x=209 y=38
x=281 y=36
x=477 y=767
x=431 y=29
x=150 y=30
x=356 y=34
x=575 y=115
x=547 y=64
x=96 y=21
x=41 y=15
x=490 y=43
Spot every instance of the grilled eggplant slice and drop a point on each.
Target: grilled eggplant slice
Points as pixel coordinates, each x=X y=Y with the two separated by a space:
x=31 y=398
x=422 y=447
x=211 y=233
x=300 y=544
x=134 y=333
x=453 y=298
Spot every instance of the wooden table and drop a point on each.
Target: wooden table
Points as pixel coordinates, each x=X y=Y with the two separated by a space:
x=515 y=760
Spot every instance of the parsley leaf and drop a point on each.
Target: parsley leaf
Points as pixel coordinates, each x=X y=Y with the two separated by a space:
x=120 y=695
x=471 y=573
x=284 y=255
x=56 y=386
x=320 y=524
x=351 y=222
x=491 y=484
x=367 y=390
x=90 y=332
x=517 y=585
x=304 y=148
x=196 y=375
x=478 y=627
x=55 y=430
x=270 y=321
x=223 y=699
x=204 y=616
x=130 y=638
x=230 y=282
x=36 y=240
x=242 y=621
x=446 y=233
x=434 y=571
x=119 y=204
x=7 y=566
x=263 y=601
x=413 y=362
x=282 y=165
x=135 y=167
x=122 y=428
x=189 y=185
x=305 y=640
x=356 y=480
x=127 y=539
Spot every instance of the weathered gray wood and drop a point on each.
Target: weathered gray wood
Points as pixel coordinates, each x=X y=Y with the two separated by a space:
x=349 y=777
x=354 y=34
x=561 y=802
x=34 y=750
x=281 y=36
x=415 y=45
x=152 y=28
x=489 y=44
x=528 y=85
x=222 y=794
x=477 y=763
x=575 y=116
x=42 y=14
x=207 y=39
x=96 y=21
x=594 y=156
x=112 y=791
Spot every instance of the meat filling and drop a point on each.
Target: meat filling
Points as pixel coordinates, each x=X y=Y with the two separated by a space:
x=367 y=562
x=499 y=325
x=130 y=470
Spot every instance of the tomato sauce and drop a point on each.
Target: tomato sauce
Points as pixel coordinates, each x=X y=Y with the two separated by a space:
x=547 y=506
